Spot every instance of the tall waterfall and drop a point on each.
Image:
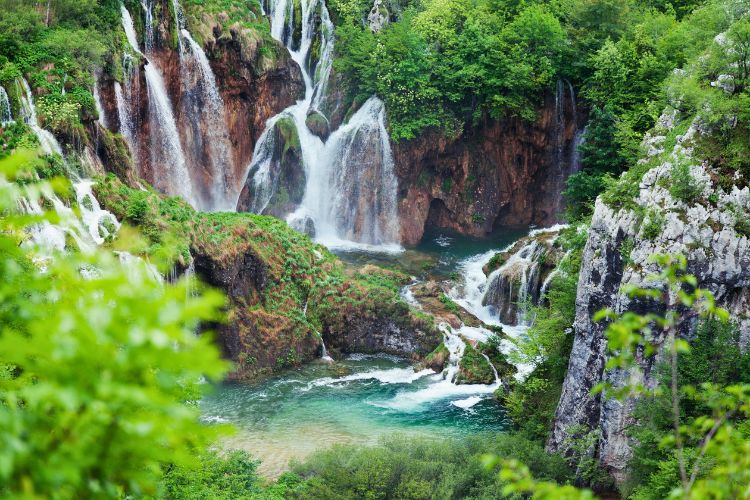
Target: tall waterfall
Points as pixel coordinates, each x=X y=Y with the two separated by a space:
x=172 y=176
x=565 y=165
x=350 y=194
x=188 y=147
x=202 y=111
x=6 y=115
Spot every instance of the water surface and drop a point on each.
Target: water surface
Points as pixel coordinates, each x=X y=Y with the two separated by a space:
x=356 y=400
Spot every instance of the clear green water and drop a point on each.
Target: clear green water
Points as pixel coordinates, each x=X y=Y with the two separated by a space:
x=439 y=253
x=356 y=400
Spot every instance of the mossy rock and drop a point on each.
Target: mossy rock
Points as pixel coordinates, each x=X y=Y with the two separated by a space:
x=318 y=125
x=474 y=368
x=437 y=359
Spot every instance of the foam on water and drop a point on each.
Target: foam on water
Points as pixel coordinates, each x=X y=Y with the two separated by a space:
x=467 y=403
x=389 y=376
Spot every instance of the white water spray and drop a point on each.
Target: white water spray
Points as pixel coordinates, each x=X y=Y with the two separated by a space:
x=166 y=150
x=6 y=116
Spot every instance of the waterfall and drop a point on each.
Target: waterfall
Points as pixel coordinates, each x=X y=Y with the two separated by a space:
x=148 y=25
x=345 y=201
x=207 y=103
x=350 y=192
x=324 y=352
x=172 y=177
x=87 y=227
x=98 y=103
x=515 y=285
x=565 y=166
x=126 y=123
x=6 y=115
x=575 y=153
x=180 y=162
x=28 y=112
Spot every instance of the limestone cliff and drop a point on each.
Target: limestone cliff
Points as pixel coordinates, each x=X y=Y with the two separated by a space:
x=707 y=228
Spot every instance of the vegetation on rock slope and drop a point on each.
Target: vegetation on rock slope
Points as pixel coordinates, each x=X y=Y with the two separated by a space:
x=297 y=291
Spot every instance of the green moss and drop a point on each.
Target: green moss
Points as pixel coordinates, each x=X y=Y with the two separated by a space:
x=474 y=368
x=437 y=357
x=497 y=261
x=449 y=304
x=653 y=225
x=287 y=130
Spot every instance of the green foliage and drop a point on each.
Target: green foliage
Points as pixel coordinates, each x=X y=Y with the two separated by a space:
x=714 y=357
x=450 y=62
x=474 y=368
x=58 y=51
x=683 y=186
x=449 y=303
x=653 y=225
x=230 y=477
x=421 y=468
x=600 y=157
x=96 y=392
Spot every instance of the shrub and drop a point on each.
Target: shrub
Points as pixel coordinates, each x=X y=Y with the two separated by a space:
x=683 y=185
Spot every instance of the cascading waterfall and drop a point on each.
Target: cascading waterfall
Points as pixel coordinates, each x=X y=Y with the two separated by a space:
x=166 y=150
x=180 y=163
x=6 y=115
x=28 y=112
x=350 y=188
x=89 y=229
x=513 y=286
x=201 y=98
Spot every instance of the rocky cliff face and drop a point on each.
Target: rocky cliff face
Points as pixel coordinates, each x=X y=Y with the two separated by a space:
x=499 y=173
x=707 y=228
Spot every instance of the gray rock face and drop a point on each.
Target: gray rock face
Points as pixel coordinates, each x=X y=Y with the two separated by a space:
x=377 y=19
x=701 y=229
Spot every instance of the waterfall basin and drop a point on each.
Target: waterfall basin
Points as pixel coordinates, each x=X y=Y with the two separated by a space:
x=356 y=400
